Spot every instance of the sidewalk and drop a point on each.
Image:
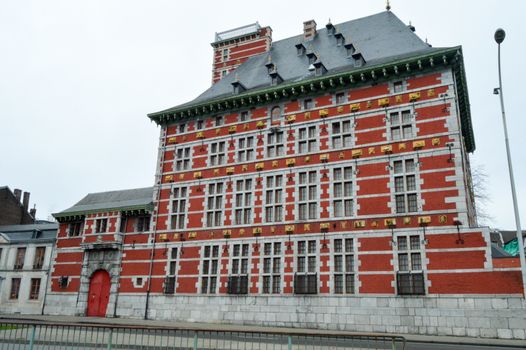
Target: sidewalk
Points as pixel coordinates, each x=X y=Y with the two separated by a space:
x=247 y=328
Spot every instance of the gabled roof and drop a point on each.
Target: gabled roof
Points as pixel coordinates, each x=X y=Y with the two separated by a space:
x=132 y=199
x=35 y=233
x=383 y=40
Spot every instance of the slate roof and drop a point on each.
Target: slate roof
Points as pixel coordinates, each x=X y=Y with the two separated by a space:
x=27 y=233
x=510 y=235
x=498 y=252
x=137 y=198
x=380 y=38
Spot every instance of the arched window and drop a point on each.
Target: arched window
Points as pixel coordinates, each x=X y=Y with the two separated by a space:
x=275 y=113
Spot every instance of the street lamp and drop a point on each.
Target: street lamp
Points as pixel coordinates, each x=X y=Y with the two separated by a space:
x=500 y=34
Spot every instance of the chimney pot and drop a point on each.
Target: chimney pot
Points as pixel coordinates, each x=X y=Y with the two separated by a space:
x=25 y=202
x=309 y=29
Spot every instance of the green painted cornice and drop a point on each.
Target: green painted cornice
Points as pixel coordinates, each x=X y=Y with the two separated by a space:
x=74 y=215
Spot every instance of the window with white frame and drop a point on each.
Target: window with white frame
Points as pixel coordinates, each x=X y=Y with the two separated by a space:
x=305 y=278
x=342 y=186
x=238 y=279
x=178 y=214
x=217 y=153
x=243 y=116
x=410 y=275
x=169 y=280
x=275 y=114
x=182 y=128
x=75 y=228
x=398 y=86
x=307 y=139
x=308 y=103
x=219 y=119
x=339 y=98
x=271 y=268
x=142 y=223
x=341 y=136
x=214 y=209
x=405 y=186
x=308 y=195
x=274 y=198
x=245 y=149
x=224 y=73
x=275 y=146
x=401 y=125
x=225 y=54
x=199 y=124
x=101 y=225
x=243 y=202
x=182 y=158
x=210 y=269
x=344 y=266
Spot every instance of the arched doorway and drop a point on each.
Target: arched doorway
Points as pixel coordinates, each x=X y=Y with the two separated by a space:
x=99 y=293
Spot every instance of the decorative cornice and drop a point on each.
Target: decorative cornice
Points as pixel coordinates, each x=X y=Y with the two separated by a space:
x=350 y=78
x=73 y=215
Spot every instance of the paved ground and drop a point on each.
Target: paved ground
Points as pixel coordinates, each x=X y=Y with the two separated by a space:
x=414 y=341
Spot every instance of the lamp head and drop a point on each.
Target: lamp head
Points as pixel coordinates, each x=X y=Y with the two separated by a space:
x=500 y=34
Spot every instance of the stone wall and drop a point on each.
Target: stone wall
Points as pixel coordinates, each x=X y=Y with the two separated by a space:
x=487 y=317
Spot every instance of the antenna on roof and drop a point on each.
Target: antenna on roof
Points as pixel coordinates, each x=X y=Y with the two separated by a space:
x=387 y=5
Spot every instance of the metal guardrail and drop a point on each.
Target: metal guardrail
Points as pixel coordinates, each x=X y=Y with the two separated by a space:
x=33 y=335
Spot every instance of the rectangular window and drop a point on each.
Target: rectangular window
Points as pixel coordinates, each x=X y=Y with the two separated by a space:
x=15 y=288
x=307 y=201
x=225 y=54
x=199 y=124
x=217 y=153
x=308 y=104
x=214 y=205
x=271 y=268
x=245 y=149
x=38 y=262
x=275 y=146
x=410 y=275
x=143 y=223
x=342 y=192
x=340 y=98
x=169 y=281
x=405 y=186
x=341 y=134
x=210 y=269
x=178 y=215
x=306 y=278
x=238 y=279
x=243 y=202
x=274 y=199
x=182 y=158
x=219 y=119
x=398 y=86
x=308 y=139
x=75 y=229
x=243 y=116
x=182 y=128
x=20 y=257
x=344 y=266
x=35 y=289
x=101 y=225
x=401 y=125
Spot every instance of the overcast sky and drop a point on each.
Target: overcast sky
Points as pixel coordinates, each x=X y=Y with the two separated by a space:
x=77 y=79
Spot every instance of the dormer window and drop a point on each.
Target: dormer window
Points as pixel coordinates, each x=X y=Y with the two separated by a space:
x=320 y=69
x=359 y=61
x=300 y=49
x=330 y=29
x=340 y=40
x=271 y=68
x=350 y=49
x=275 y=79
x=238 y=87
x=312 y=57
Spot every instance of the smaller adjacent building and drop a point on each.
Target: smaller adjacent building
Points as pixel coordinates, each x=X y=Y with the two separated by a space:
x=25 y=257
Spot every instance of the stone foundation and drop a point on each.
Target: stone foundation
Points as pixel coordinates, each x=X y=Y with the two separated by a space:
x=487 y=317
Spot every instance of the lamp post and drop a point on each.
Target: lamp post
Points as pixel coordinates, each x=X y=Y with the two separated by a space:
x=499 y=38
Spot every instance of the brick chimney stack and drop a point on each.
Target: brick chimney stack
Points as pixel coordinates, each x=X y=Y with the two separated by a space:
x=25 y=203
x=235 y=46
x=309 y=30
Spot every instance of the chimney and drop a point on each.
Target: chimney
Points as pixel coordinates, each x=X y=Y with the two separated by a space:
x=33 y=212
x=235 y=46
x=309 y=29
x=25 y=202
x=18 y=194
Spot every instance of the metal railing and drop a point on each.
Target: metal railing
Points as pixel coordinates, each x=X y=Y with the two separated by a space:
x=32 y=335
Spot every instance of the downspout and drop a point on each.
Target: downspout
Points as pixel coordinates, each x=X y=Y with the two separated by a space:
x=156 y=211
x=51 y=258
x=120 y=268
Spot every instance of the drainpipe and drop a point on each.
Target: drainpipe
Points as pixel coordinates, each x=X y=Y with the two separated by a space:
x=120 y=268
x=48 y=276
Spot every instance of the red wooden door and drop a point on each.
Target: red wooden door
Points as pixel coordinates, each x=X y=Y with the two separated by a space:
x=99 y=293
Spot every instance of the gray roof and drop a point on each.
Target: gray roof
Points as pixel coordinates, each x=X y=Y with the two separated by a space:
x=510 y=235
x=136 y=198
x=380 y=38
x=27 y=233
x=498 y=252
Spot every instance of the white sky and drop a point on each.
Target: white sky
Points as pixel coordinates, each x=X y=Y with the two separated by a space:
x=77 y=79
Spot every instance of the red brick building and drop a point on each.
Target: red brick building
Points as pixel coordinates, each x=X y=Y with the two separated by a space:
x=324 y=177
